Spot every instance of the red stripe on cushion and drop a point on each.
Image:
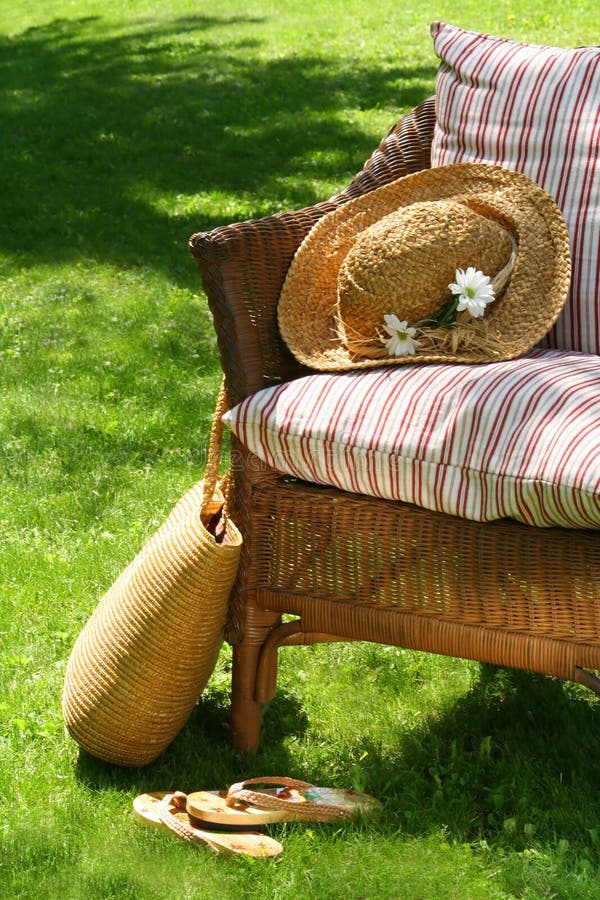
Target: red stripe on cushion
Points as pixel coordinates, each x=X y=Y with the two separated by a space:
x=534 y=109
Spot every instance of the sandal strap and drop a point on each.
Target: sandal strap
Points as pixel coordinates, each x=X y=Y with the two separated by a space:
x=306 y=811
x=178 y=800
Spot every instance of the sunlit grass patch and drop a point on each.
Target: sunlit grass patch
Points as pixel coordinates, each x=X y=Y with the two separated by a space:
x=126 y=127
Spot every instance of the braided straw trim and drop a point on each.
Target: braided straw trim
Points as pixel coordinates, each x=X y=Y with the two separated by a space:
x=306 y=811
x=178 y=800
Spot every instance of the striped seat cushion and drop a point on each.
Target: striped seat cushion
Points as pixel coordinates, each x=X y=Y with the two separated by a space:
x=534 y=109
x=519 y=438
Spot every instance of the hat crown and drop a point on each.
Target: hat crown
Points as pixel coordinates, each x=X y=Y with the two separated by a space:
x=404 y=263
x=416 y=307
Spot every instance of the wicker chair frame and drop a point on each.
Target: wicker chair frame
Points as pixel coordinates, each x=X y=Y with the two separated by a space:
x=349 y=567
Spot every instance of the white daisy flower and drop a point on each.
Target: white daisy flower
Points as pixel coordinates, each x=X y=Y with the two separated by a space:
x=401 y=341
x=474 y=291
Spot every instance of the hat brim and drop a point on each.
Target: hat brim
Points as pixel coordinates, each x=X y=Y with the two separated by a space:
x=531 y=304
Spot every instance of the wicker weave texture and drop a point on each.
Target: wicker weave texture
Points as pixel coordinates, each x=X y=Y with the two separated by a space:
x=357 y=567
x=382 y=554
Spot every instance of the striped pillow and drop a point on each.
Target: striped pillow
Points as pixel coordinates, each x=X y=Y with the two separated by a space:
x=519 y=438
x=534 y=109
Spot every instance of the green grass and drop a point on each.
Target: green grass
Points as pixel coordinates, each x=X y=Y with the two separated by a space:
x=126 y=127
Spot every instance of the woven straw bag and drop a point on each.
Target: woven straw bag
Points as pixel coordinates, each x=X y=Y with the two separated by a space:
x=150 y=646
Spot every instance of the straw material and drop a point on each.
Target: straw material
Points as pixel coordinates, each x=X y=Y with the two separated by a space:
x=356 y=567
x=304 y=810
x=150 y=646
x=396 y=250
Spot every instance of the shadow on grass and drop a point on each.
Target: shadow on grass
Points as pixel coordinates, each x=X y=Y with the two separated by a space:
x=510 y=765
x=202 y=753
x=117 y=146
x=512 y=762
x=111 y=139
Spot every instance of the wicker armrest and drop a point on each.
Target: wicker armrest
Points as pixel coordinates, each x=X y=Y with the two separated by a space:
x=243 y=266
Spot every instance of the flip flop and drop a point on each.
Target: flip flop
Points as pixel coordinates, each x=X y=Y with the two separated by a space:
x=162 y=808
x=290 y=801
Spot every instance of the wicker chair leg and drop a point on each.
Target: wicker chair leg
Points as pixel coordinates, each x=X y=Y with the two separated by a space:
x=590 y=680
x=290 y=634
x=246 y=709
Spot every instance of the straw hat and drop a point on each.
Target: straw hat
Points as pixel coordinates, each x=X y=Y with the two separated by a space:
x=463 y=263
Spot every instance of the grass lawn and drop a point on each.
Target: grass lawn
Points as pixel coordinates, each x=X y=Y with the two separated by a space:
x=126 y=127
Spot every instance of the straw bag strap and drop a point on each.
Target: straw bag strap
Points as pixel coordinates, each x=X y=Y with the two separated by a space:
x=215 y=443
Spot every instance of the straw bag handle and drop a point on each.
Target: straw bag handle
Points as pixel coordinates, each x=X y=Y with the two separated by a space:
x=215 y=443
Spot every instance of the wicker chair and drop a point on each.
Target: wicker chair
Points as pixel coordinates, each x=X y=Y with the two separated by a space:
x=349 y=567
